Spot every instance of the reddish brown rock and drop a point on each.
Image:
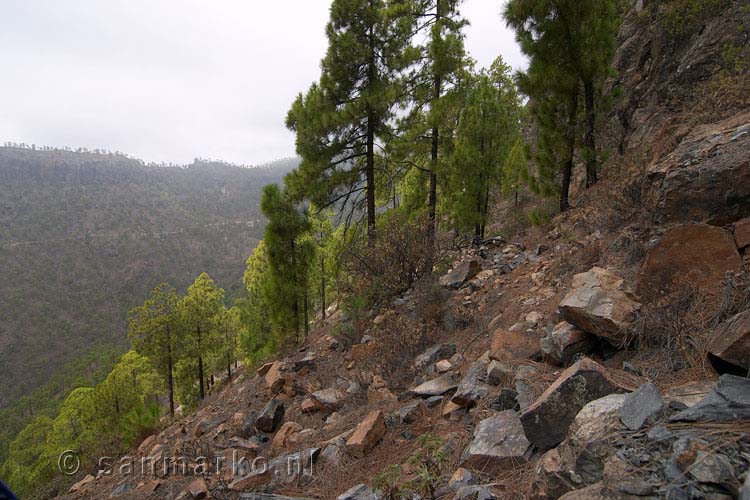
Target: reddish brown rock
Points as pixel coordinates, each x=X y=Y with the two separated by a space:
x=367 y=434
x=547 y=420
x=565 y=343
x=731 y=343
x=691 y=255
x=198 y=489
x=82 y=483
x=742 y=234
x=284 y=434
x=513 y=346
x=275 y=378
x=263 y=370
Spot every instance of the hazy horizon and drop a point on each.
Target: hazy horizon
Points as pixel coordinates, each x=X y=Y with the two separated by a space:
x=175 y=80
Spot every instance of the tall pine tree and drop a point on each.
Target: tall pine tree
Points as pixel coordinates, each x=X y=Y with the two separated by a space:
x=339 y=120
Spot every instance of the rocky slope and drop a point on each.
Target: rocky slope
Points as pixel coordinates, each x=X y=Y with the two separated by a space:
x=604 y=357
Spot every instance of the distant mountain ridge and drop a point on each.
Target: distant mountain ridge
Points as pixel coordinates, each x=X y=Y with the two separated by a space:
x=85 y=235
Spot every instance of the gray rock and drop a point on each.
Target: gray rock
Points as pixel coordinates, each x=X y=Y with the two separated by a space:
x=474 y=493
x=498 y=443
x=546 y=422
x=268 y=496
x=437 y=387
x=745 y=489
x=497 y=371
x=473 y=386
x=566 y=342
x=461 y=274
x=731 y=342
x=506 y=400
x=713 y=468
x=271 y=416
x=247 y=425
x=329 y=399
x=433 y=401
x=120 y=489
x=409 y=413
x=358 y=492
x=600 y=304
x=729 y=400
x=433 y=355
x=641 y=405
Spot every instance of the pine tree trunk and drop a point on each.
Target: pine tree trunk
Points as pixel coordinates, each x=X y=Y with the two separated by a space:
x=570 y=137
x=200 y=367
x=323 y=287
x=170 y=374
x=370 y=167
x=306 y=315
x=590 y=137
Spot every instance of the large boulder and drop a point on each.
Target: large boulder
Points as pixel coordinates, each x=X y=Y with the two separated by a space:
x=367 y=434
x=601 y=304
x=508 y=345
x=282 y=437
x=694 y=255
x=461 y=274
x=728 y=401
x=706 y=178
x=546 y=422
x=498 y=444
x=565 y=343
x=275 y=376
x=731 y=343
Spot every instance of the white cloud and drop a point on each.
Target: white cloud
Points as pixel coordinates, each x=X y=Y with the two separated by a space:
x=170 y=80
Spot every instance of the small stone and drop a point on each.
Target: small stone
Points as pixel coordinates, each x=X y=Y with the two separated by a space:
x=497 y=372
x=411 y=412
x=713 y=468
x=433 y=355
x=443 y=366
x=461 y=478
x=330 y=399
x=506 y=400
x=565 y=343
x=640 y=406
x=433 y=401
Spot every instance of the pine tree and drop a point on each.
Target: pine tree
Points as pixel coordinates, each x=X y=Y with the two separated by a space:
x=575 y=38
x=338 y=121
x=154 y=329
x=487 y=133
x=199 y=309
x=434 y=97
x=289 y=260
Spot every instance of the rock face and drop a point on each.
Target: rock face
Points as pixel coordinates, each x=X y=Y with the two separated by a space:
x=729 y=400
x=695 y=255
x=546 y=422
x=565 y=343
x=731 y=343
x=641 y=405
x=600 y=304
x=707 y=176
x=271 y=416
x=461 y=274
x=498 y=443
x=367 y=434
x=513 y=346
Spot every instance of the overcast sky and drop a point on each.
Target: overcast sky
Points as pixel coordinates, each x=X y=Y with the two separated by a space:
x=171 y=80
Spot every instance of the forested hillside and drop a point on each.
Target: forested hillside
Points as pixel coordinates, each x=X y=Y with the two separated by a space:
x=84 y=236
